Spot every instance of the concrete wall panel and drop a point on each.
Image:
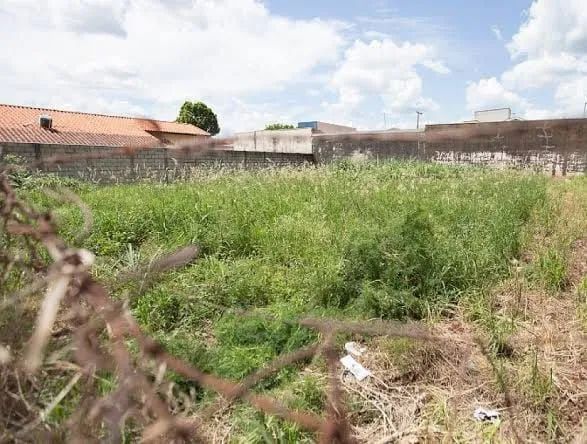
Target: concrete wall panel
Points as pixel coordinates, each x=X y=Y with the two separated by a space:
x=295 y=141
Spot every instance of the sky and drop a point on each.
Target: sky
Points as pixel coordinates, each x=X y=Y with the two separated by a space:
x=367 y=63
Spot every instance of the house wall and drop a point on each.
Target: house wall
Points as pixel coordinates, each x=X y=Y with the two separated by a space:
x=178 y=139
x=557 y=146
x=151 y=163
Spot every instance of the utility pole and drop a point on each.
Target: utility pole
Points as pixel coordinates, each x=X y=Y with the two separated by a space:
x=585 y=110
x=418 y=114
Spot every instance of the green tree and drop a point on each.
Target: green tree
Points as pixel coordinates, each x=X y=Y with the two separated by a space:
x=199 y=114
x=278 y=126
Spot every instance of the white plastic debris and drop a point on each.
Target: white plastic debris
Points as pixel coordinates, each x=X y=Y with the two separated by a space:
x=482 y=414
x=355 y=368
x=354 y=348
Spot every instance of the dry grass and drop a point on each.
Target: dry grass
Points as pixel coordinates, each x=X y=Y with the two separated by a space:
x=537 y=378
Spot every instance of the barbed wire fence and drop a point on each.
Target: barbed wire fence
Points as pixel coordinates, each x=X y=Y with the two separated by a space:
x=102 y=336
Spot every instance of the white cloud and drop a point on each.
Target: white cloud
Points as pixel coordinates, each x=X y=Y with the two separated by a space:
x=422 y=27
x=387 y=70
x=144 y=57
x=544 y=71
x=552 y=27
x=240 y=114
x=551 y=45
x=93 y=16
x=539 y=114
x=436 y=65
x=84 y=17
x=150 y=55
x=490 y=93
x=549 y=52
x=497 y=32
x=572 y=95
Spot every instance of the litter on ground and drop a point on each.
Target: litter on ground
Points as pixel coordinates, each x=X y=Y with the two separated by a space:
x=355 y=368
x=355 y=348
x=482 y=414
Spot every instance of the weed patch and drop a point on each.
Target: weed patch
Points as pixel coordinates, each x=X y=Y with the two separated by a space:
x=395 y=241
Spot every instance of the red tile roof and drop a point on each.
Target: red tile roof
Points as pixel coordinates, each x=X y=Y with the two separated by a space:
x=20 y=124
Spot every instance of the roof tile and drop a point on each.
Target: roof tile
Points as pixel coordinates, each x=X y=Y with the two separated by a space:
x=20 y=124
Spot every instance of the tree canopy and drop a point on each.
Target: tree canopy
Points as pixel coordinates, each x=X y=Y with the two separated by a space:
x=278 y=126
x=199 y=114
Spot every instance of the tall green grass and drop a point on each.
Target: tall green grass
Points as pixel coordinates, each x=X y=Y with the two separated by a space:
x=399 y=240
x=395 y=241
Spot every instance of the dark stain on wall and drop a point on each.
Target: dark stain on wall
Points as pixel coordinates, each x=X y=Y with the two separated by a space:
x=555 y=146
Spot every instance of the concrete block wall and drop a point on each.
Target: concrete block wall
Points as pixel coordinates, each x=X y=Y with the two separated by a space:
x=162 y=164
x=28 y=152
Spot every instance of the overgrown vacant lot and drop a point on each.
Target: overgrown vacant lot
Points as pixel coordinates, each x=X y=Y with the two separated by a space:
x=478 y=256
